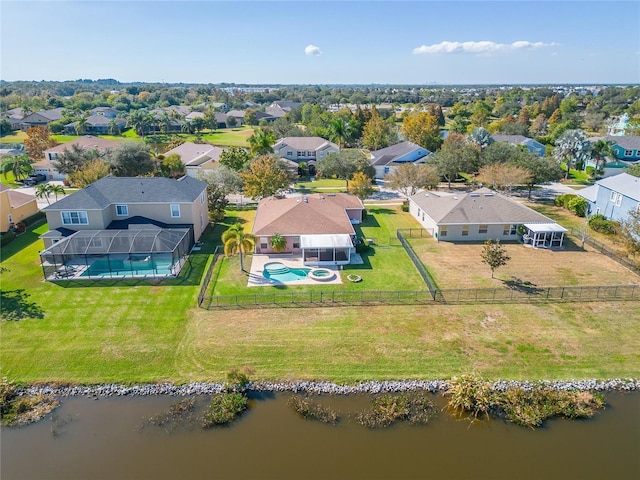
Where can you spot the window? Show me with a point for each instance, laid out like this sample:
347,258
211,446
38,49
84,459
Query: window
507,230
628,153
619,200
613,196
289,154
175,210
203,197
74,218
122,210
443,231
482,229
465,230
296,242
10,218
53,156
263,243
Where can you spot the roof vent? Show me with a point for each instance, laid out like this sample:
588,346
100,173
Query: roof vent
474,194
488,194
455,198
305,199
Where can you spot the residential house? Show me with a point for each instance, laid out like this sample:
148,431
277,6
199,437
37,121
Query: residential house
121,227
197,157
97,124
10,152
317,227
305,149
43,117
15,207
238,115
530,144
626,151
481,215
281,108
86,142
106,111
386,160
614,197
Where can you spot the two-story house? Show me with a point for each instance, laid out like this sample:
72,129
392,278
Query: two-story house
530,144
386,160
197,157
305,149
614,197
15,206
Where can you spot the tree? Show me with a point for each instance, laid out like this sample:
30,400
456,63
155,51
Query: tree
573,149
278,242
139,120
264,178
250,117
90,172
408,178
114,128
231,121
538,126
81,125
130,160
261,142
376,132
237,241
542,169
172,166
360,186
38,140
448,164
494,255
422,128
73,158
344,165
20,165
220,183
481,137
43,191
56,190
503,176
340,131
600,150
235,158
633,170
630,233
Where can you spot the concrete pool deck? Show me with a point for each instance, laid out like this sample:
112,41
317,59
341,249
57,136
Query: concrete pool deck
258,261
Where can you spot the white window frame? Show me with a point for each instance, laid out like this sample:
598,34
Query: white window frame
628,153
614,196
124,208
443,231
483,228
174,208
465,231
203,197
81,216
619,200
10,218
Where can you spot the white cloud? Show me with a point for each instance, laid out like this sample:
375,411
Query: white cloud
484,46
312,50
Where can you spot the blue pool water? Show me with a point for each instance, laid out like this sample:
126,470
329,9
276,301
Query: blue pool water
127,268
279,272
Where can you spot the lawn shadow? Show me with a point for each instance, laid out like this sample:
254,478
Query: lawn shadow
523,286
15,305
366,265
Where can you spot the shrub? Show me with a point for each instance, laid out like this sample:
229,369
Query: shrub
238,379
578,206
600,223
224,408
6,238
590,170
307,408
387,409
405,206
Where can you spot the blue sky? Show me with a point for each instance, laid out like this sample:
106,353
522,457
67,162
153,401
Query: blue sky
329,42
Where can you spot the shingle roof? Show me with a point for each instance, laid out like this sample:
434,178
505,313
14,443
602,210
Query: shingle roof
628,142
86,142
17,199
196,153
394,151
319,214
623,183
513,139
304,143
97,120
590,193
482,206
110,190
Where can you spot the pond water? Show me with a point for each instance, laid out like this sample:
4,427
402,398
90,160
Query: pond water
111,438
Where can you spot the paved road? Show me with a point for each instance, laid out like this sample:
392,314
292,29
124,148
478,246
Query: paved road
42,202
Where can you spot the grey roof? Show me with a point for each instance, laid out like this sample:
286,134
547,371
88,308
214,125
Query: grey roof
111,190
482,206
87,142
389,154
109,110
236,113
286,104
96,120
196,153
628,142
623,183
590,193
304,143
514,139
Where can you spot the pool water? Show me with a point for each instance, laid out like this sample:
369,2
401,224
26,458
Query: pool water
108,268
279,272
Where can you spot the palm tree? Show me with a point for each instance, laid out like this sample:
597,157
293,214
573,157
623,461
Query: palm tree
261,142
43,191
139,120
56,190
114,128
278,242
599,153
20,165
237,241
165,122
81,125
340,131
187,127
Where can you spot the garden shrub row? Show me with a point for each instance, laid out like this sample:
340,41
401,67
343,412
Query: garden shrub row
574,203
602,224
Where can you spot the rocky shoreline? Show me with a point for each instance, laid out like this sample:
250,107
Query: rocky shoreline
318,388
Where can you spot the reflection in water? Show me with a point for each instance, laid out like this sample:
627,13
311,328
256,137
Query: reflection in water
113,438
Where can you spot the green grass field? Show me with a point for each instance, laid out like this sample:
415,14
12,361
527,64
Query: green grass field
133,332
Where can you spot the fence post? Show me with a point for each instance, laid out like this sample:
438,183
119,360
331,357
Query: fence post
562,293
615,292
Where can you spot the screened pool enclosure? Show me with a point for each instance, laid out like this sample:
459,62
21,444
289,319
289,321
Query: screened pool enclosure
96,254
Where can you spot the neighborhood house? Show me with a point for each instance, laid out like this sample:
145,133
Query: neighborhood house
15,207
614,197
305,149
386,160
317,227
197,157
120,227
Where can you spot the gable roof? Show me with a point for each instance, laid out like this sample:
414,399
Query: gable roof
623,183
305,215
17,199
482,206
387,155
100,120
628,142
111,190
304,143
196,153
86,142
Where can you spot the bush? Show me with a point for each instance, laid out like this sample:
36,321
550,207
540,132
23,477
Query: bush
405,206
590,170
385,410
307,408
7,238
578,206
600,223
224,408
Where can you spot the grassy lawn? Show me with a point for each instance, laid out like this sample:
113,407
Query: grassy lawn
17,136
10,180
386,265
459,265
150,332
322,186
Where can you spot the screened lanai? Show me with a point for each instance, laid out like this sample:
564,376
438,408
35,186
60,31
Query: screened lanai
326,249
95,254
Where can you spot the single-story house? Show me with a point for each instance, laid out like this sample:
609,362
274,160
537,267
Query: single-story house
281,108
532,145
97,124
481,215
106,111
305,149
15,207
86,142
42,117
614,197
317,227
197,157
124,226
386,160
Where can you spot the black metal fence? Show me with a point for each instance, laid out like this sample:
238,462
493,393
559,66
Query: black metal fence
424,273
609,252
202,295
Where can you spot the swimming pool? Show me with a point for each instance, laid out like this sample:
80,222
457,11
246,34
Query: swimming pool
279,272
128,268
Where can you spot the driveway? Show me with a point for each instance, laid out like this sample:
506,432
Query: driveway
42,202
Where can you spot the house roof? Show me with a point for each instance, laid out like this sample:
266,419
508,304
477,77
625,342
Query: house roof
36,117
623,183
387,155
236,113
482,206
196,153
303,143
628,142
285,104
100,120
87,142
514,139
590,193
16,198
193,115
314,214
109,110
111,190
